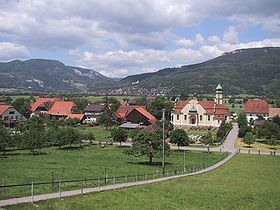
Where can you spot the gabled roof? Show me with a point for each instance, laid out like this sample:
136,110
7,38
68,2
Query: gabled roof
123,111
62,108
94,108
145,113
73,116
179,106
273,112
40,101
4,108
256,106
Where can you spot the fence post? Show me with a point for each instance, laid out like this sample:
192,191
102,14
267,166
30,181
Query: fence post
239,151
145,176
259,152
125,181
274,153
32,192
3,186
98,184
59,188
114,182
136,178
82,190
248,151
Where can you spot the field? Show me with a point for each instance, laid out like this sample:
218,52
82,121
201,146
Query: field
89,162
246,182
258,145
100,133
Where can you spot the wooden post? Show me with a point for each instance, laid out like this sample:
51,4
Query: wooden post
82,190
98,184
59,188
125,181
259,152
3,186
32,192
114,182
248,151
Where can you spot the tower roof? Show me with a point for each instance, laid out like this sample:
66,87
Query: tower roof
219,87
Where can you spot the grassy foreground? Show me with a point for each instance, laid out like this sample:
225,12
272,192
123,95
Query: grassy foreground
246,182
89,162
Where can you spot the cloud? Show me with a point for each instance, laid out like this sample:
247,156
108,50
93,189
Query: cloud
10,51
231,35
184,42
199,39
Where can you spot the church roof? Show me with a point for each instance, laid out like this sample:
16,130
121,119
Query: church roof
219,87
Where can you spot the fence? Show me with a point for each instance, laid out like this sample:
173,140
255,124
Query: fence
257,152
37,188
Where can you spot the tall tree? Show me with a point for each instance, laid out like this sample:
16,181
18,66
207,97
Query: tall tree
119,135
23,106
5,139
249,138
207,139
158,105
243,125
148,144
179,137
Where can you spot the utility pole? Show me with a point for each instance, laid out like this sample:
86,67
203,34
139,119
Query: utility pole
163,140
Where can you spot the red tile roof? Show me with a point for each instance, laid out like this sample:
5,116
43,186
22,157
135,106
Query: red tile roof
73,116
273,112
62,108
145,113
123,111
256,106
39,101
4,108
180,105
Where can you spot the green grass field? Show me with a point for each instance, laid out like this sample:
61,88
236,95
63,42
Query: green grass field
258,145
89,162
246,182
100,133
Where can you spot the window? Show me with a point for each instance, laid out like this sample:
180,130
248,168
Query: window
200,118
16,117
12,112
178,117
172,118
208,117
186,117
11,117
6,118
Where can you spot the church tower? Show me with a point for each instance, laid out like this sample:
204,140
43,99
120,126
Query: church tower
219,94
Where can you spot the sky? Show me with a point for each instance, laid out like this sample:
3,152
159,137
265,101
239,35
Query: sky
125,37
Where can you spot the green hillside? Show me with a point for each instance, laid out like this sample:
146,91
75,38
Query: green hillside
47,76
247,71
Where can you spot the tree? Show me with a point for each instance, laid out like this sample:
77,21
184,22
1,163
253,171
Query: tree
276,119
249,138
119,134
22,105
207,139
113,104
268,129
5,139
70,136
223,130
158,105
274,140
33,133
243,125
149,144
179,137
81,103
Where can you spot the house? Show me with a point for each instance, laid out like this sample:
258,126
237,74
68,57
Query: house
11,116
273,112
92,111
43,105
201,113
61,109
135,114
80,117
5,101
256,108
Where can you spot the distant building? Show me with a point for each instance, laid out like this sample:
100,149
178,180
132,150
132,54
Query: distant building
80,117
273,112
43,105
201,113
11,116
61,109
256,108
92,111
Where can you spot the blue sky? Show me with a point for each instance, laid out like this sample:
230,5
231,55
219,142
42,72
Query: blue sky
123,37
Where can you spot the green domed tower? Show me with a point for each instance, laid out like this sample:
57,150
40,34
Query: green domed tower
219,94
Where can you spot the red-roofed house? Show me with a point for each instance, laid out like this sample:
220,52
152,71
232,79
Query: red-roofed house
201,113
10,116
256,108
61,109
80,117
135,114
43,105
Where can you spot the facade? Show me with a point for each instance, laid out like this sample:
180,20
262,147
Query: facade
92,111
43,105
10,116
273,112
201,113
255,109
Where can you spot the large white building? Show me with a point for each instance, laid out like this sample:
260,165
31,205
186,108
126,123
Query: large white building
201,113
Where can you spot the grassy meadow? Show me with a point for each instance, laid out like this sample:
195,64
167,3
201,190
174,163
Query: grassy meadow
260,144
89,162
246,182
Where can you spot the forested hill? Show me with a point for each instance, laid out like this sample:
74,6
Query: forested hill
245,71
47,76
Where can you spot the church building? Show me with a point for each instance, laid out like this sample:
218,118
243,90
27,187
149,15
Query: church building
201,113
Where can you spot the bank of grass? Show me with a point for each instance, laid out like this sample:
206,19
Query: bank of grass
88,162
100,133
260,144
246,182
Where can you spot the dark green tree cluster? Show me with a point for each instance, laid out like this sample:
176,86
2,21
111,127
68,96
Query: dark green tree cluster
249,138
36,134
223,130
156,107
22,105
179,137
119,135
81,102
207,139
243,125
148,144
